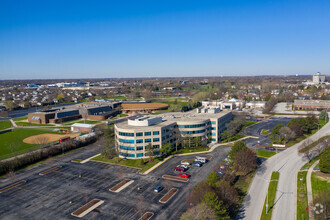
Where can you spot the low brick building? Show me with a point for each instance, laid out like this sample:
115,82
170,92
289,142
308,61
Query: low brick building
82,128
312,105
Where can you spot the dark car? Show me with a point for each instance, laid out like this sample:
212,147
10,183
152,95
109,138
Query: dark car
269,148
197,164
158,188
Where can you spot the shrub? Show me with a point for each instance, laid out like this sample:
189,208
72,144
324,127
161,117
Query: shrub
325,160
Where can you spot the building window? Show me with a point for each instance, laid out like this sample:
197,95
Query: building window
155,139
147,133
213,122
131,155
126,148
126,141
139,141
214,134
156,146
214,128
126,134
147,140
155,133
139,148
139,155
139,134
213,139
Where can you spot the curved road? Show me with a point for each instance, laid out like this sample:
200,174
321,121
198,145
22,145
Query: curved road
288,163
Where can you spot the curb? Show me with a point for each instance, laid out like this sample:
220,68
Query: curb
88,159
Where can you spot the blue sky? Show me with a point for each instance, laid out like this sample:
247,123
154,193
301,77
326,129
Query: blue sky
156,38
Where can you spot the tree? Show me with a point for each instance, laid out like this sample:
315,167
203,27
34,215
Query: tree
228,194
166,149
199,212
324,163
238,146
197,193
276,129
245,161
212,178
296,128
287,134
150,151
324,115
212,201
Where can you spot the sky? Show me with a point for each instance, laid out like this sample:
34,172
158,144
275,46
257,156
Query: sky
160,38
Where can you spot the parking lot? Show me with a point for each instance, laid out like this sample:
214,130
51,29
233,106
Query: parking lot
62,191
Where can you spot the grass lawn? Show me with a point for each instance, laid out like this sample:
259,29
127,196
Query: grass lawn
265,131
123,115
20,119
319,185
249,123
190,150
130,163
265,153
13,141
271,197
82,122
5,124
309,164
31,124
302,201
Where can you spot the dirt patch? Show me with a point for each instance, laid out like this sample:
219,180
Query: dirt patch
117,186
46,138
144,106
324,176
176,178
147,216
50,170
12,186
168,195
84,210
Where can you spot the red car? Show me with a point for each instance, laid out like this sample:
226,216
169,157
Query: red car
184,175
181,169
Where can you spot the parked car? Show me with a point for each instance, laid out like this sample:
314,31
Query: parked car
184,166
201,159
185,163
181,169
269,148
197,164
158,188
220,173
184,175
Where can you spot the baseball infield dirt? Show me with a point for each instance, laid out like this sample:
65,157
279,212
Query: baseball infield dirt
46,138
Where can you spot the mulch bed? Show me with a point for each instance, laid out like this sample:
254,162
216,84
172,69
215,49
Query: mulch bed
177,178
117,186
168,195
12,186
50,170
147,216
79,212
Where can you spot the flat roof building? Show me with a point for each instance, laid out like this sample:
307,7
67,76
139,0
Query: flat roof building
311,105
134,135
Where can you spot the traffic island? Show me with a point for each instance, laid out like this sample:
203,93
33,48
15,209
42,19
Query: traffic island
168,195
175,178
120,186
50,170
147,216
12,186
87,208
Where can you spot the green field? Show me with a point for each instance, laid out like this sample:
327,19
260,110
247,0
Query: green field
190,150
81,122
5,124
271,197
265,153
31,124
319,185
12,142
20,119
302,201
130,163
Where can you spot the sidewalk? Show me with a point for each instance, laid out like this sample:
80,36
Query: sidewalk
309,190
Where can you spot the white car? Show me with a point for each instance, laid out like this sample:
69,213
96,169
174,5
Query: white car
185,163
184,166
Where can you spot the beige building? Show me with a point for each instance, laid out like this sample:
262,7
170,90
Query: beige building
133,136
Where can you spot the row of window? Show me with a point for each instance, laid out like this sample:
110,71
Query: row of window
193,132
138,148
138,134
193,126
139,141
138,155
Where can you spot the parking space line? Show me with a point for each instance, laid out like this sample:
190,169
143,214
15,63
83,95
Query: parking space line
128,212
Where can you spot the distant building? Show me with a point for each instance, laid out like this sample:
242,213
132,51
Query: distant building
134,135
82,128
53,116
256,105
312,105
142,107
225,104
318,78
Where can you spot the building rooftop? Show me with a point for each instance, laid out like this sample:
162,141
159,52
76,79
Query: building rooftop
170,118
312,102
82,125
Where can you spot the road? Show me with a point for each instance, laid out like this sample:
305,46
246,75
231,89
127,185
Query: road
288,163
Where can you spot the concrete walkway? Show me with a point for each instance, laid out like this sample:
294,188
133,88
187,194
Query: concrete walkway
309,190
13,123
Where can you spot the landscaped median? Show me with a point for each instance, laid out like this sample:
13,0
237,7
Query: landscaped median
168,195
87,208
120,186
265,153
302,202
270,197
175,178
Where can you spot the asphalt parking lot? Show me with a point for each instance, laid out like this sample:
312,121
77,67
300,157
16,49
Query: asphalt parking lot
57,194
